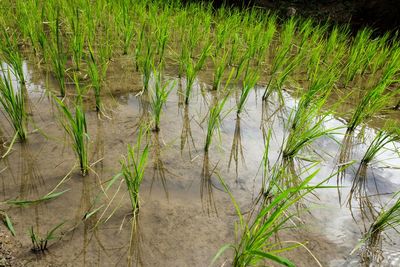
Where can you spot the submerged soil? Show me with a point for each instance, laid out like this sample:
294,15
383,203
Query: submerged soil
184,219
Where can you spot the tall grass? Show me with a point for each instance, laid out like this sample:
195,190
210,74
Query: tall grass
13,102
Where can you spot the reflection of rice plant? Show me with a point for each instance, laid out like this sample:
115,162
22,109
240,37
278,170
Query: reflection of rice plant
132,170
13,103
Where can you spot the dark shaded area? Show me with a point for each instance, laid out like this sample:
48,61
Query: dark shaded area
381,15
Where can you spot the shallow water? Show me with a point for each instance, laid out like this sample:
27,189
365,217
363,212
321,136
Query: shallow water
183,220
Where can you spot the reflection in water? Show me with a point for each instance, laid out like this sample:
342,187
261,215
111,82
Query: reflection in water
89,220
237,148
31,177
206,187
159,169
134,250
344,158
186,133
145,111
359,192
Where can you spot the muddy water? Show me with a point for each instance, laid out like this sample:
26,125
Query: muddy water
183,220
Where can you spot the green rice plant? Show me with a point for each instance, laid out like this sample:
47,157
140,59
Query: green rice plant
215,116
234,50
132,170
76,128
126,25
255,244
283,62
214,121
307,130
139,45
147,65
376,97
40,244
193,68
11,55
158,98
219,69
57,56
265,39
358,55
388,218
96,72
387,135
78,36
29,14
13,102
249,82
162,35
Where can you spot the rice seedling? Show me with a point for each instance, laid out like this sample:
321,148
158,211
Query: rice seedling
127,26
192,69
40,244
388,218
78,37
162,36
255,244
308,129
159,97
30,17
7,222
11,55
358,58
219,69
215,115
13,102
76,128
147,65
132,170
57,56
96,72
359,187
282,58
139,45
249,82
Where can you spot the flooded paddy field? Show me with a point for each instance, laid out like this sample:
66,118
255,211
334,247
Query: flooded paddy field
167,136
